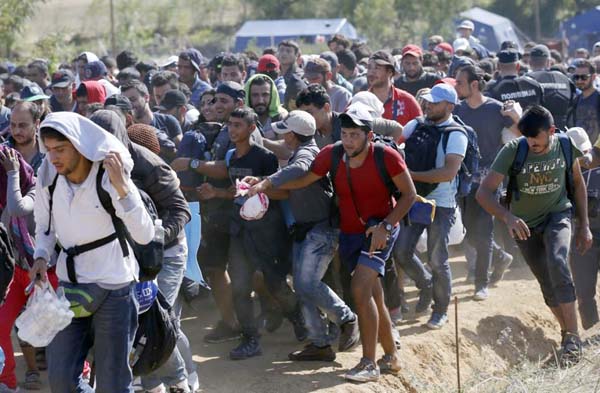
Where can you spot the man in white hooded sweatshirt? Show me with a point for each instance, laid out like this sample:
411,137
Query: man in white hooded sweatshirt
76,149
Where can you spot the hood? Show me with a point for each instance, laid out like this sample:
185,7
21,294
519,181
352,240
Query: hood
87,137
112,123
275,107
95,92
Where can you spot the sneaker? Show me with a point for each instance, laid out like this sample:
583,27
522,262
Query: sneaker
349,335
481,294
249,347
571,350
365,371
313,353
396,336
222,333
500,268
32,380
6,389
396,315
425,296
387,365
437,320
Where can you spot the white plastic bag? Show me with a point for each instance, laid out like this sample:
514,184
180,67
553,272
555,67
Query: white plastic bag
46,314
456,236
255,207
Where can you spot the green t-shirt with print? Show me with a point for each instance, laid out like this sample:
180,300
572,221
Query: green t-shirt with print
541,182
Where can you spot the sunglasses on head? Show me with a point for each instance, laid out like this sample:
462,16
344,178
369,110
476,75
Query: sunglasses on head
581,77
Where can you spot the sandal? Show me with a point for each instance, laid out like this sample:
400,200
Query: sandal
32,380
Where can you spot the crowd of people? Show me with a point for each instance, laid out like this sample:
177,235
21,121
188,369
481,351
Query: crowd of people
358,153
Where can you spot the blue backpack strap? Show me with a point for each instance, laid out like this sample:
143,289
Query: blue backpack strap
515,169
228,156
567,150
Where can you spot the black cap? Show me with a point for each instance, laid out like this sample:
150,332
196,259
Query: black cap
383,57
232,89
120,101
62,78
509,45
171,99
540,51
508,56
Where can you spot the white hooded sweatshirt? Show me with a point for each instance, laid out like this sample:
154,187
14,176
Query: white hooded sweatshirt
77,214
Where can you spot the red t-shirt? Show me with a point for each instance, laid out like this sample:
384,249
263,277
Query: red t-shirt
371,196
401,106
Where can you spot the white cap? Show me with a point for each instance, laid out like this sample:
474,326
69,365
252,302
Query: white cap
466,24
172,60
299,122
461,44
580,138
369,99
360,114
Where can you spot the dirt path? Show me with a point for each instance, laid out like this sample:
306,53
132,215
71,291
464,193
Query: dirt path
511,326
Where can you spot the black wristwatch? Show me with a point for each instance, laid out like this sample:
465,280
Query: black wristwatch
194,164
387,226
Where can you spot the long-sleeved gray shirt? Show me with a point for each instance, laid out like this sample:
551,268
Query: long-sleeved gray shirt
311,203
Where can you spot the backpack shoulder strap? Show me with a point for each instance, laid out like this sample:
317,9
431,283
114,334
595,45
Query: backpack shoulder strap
379,156
567,151
446,131
106,202
228,156
516,168
337,152
51,188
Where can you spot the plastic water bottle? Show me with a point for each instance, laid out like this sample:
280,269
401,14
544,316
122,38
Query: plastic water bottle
2,360
159,231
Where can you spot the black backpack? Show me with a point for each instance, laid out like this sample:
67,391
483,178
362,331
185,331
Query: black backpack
149,256
7,262
155,338
519,162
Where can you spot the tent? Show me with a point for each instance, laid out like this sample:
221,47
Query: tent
583,30
263,33
493,29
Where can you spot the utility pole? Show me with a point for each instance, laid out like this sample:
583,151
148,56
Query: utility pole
113,43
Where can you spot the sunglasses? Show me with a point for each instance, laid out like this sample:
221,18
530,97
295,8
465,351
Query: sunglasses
581,77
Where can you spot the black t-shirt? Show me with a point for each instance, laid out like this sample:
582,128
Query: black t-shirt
559,92
427,79
166,123
258,162
522,89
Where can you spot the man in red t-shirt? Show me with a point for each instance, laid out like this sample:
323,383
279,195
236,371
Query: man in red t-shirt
398,104
369,228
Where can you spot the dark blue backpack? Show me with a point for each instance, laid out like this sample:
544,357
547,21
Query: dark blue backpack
470,164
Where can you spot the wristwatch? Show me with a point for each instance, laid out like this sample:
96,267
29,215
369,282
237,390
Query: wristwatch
387,226
194,164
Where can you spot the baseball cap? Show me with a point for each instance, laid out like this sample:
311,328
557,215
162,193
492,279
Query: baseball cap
461,44
447,80
444,47
232,89
412,50
171,99
195,57
94,69
596,45
441,92
369,99
331,58
268,63
62,78
509,44
120,101
508,56
540,51
315,67
32,92
580,138
359,114
435,40
383,57
170,62
299,122
466,24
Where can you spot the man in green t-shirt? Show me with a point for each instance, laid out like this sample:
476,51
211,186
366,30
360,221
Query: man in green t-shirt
540,219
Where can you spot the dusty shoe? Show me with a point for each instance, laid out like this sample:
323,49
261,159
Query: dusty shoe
32,380
388,364
313,353
500,268
365,371
481,294
571,350
350,335
437,320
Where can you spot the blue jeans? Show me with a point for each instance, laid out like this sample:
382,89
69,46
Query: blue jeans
437,251
311,258
480,233
111,330
169,281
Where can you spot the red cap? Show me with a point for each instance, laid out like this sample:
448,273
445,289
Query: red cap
448,81
412,50
267,63
444,47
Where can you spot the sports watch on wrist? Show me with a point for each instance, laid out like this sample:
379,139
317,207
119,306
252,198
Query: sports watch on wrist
194,164
387,226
